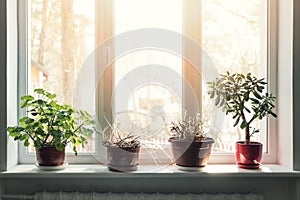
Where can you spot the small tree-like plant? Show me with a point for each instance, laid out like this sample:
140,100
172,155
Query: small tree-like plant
243,96
50,124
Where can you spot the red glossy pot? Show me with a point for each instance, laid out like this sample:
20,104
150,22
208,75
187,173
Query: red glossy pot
248,156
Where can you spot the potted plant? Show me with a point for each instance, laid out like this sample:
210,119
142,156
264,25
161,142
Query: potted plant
190,147
122,150
51,126
244,96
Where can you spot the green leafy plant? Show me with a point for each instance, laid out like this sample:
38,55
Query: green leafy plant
50,124
189,128
243,96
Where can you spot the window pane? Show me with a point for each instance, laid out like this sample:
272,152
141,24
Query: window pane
151,105
62,32
61,36
234,35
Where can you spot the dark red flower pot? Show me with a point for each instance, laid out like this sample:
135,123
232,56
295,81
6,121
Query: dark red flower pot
122,159
191,154
248,156
49,156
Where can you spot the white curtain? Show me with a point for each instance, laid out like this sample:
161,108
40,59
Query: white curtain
142,196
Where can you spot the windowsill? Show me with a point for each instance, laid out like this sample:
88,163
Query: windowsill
151,171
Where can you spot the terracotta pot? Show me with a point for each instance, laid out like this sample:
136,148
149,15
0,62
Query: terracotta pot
49,156
191,154
248,156
122,159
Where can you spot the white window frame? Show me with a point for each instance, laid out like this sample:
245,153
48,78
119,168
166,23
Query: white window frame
104,18
23,63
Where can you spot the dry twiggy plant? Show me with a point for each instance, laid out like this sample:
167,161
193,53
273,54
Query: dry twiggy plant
120,140
189,128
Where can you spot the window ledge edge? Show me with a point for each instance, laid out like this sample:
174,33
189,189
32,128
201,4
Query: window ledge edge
148,171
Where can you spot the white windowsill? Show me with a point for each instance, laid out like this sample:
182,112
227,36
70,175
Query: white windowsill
101,171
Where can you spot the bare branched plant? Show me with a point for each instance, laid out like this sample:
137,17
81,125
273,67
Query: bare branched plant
120,140
189,128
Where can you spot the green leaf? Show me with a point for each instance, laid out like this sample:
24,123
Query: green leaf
34,113
243,124
24,137
41,102
217,100
257,95
44,120
37,144
260,89
29,121
255,101
39,91
75,150
59,147
249,77
222,102
262,82
247,109
212,94
11,129
235,116
15,134
51,96
228,97
273,114
26,143
246,96
236,122
24,104
27,98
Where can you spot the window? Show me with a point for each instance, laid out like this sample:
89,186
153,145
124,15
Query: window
59,36
235,35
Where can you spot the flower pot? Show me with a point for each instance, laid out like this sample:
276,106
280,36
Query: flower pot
49,156
191,153
122,159
248,156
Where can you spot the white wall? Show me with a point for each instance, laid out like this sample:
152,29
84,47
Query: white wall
285,83
12,69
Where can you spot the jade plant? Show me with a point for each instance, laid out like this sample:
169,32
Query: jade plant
189,128
245,97
50,124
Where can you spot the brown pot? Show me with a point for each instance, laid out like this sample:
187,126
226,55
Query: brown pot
122,159
191,154
49,156
248,156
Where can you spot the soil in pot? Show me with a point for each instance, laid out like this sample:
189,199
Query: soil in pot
191,153
50,156
122,159
248,156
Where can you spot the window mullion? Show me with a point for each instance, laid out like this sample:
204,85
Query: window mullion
23,66
192,29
